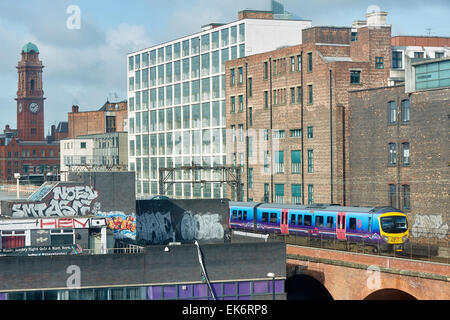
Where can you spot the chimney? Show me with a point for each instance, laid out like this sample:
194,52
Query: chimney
53,130
376,18
75,109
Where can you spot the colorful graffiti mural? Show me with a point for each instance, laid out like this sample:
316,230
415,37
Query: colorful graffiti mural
62,201
123,225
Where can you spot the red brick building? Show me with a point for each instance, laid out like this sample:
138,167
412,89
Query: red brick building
288,111
26,150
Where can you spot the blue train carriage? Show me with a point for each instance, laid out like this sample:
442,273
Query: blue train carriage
242,216
381,227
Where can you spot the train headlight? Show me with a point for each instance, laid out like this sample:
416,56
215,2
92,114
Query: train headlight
405,238
385,238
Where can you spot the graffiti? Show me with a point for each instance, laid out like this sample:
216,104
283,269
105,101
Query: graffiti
429,226
124,226
155,228
64,223
65,201
201,227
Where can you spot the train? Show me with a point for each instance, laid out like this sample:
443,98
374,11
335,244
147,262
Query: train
379,228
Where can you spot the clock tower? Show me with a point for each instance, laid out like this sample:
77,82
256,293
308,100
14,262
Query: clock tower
30,96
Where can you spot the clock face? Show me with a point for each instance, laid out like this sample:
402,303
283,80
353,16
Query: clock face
34,107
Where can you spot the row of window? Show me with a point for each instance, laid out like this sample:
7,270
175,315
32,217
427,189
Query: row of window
397,57
206,42
405,190
405,111
277,134
33,153
279,66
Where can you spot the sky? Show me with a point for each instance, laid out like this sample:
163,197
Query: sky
87,66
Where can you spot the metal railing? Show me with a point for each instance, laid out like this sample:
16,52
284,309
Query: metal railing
426,248
128,249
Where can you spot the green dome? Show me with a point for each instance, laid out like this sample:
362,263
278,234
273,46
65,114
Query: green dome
30,47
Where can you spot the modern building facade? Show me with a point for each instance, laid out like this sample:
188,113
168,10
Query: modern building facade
287,111
399,147
176,94
26,151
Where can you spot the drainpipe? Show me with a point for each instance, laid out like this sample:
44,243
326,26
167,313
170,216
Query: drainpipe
301,125
331,135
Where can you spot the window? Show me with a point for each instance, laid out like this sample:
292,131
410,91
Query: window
233,133
299,220
319,221
330,222
296,133
233,77
406,192
418,55
392,112
266,192
279,193
250,116
392,153
352,224
439,55
265,217
241,75
266,99
310,62
310,161
266,161
310,94
296,161
266,70
392,195
279,134
355,77
241,133
405,154
296,190
83,145
354,36
293,219
406,111
292,95
310,132
292,64
310,194
279,161
241,103
233,104
250,87
397,59
379,63
307,221
250,178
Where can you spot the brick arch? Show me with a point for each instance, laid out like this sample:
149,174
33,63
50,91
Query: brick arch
306,287
390,294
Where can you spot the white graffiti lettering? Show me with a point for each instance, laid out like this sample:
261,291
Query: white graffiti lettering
201,227
429,226
66,201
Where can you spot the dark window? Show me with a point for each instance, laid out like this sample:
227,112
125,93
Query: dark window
299,220
273,217
379,63
83,145
266,99
250,87
233,104
33,131
310,94
406,111
406,190
292,95
293,218
234,215
308,220
392,153
310,132
265,217
245,216
392,112
397,60
352,223
354,36
310,62
319,221
250,116
266,70
233,77
418,55
392,195
405,154
330,221
32,85
438,55
355,77
239,215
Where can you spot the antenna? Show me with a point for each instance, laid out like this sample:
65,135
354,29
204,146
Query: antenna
428,32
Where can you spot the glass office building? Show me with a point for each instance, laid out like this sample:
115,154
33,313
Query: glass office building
176,94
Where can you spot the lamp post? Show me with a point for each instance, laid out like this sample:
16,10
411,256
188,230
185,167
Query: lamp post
17,176
272,275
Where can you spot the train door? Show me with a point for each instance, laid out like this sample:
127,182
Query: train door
340,226
284,222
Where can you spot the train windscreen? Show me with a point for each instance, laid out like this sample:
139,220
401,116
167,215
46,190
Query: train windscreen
394,224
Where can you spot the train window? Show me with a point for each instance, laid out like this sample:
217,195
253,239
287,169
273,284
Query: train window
319,221
308,220
370,224
293,217
273,217
240,215
234,215
352,223
299,220
330,221
265,217
245,215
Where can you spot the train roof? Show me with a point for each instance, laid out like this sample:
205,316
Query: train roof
315,207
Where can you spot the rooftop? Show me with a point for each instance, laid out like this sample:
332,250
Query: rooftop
29,47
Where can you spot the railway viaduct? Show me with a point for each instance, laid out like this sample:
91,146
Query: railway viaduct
353,276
